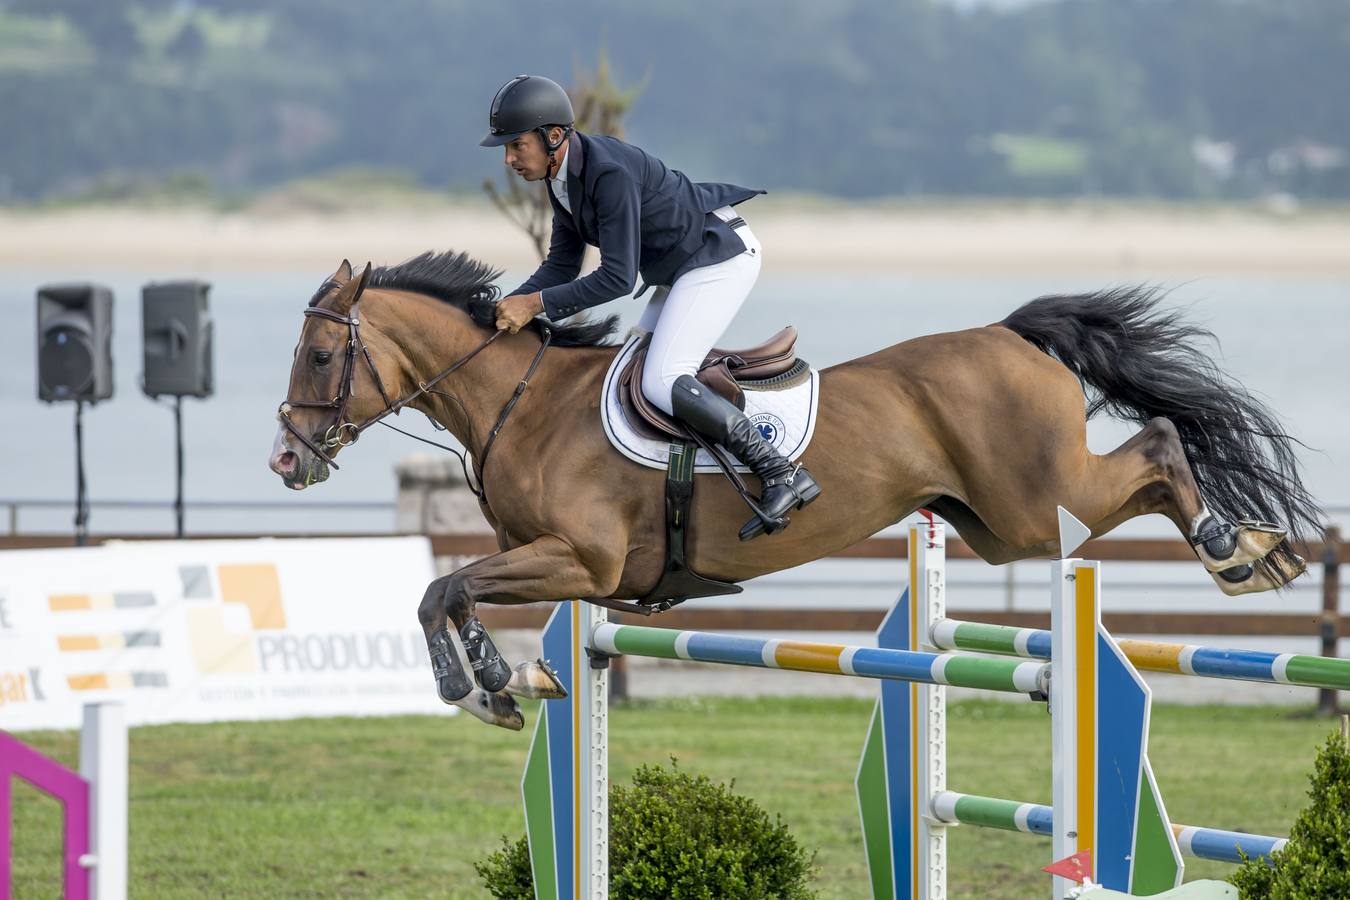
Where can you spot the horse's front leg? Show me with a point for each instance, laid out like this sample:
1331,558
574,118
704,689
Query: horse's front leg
546,569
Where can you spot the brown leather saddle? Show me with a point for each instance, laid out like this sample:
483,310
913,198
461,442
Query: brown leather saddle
769,366
773,365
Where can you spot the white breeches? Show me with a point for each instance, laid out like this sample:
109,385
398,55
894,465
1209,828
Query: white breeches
688,318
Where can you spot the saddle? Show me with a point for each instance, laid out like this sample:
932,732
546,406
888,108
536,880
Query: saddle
772,364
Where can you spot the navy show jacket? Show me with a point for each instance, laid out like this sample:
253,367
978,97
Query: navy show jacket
646,219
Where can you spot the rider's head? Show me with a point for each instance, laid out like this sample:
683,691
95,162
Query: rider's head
531,117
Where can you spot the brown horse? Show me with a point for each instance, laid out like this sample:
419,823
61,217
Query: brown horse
985,427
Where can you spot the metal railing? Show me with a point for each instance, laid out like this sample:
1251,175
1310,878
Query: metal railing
13,507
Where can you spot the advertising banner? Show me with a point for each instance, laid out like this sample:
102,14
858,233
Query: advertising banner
206,631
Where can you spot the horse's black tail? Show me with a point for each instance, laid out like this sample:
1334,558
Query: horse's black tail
1137,362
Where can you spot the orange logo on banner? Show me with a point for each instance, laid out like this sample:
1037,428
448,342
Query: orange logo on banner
216,647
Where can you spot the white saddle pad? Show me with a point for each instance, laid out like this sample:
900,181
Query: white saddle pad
786,418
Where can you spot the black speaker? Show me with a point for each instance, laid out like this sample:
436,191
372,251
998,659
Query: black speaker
177,339
74,332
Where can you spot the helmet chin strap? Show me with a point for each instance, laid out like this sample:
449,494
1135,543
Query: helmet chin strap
552,148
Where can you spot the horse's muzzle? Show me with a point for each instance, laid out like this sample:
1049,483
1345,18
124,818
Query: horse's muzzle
298,468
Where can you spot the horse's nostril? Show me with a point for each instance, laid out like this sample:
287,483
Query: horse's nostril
287,462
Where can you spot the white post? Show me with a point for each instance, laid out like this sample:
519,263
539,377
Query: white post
103,763
1063,719
596,756
1067,607
928,605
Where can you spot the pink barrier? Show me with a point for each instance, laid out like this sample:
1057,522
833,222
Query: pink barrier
49,776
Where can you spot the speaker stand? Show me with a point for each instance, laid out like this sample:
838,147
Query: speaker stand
81,490
178,436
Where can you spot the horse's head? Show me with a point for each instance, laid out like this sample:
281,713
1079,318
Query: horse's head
334,384
348,373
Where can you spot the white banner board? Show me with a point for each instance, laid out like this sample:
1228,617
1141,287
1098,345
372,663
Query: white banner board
205,631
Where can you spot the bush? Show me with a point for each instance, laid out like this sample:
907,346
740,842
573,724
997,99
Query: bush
675,835
1315,864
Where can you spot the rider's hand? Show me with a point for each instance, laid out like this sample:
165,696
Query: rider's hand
516,311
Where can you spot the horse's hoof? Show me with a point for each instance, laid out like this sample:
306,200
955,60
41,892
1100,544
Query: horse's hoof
1258,578
495,709
535,681
1255,540
1247,542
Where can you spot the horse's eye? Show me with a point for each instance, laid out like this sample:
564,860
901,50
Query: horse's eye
321,357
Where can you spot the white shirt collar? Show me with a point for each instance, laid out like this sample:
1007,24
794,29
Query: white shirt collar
561,178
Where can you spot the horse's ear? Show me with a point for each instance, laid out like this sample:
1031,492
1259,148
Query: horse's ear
343,273
351,291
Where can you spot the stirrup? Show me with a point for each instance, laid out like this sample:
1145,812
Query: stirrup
762,524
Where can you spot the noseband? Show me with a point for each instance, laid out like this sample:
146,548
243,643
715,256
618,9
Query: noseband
344,432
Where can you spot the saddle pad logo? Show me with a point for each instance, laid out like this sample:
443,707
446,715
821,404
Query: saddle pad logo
770,427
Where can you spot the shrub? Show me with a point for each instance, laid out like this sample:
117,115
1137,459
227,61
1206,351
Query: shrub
675,835
1315,864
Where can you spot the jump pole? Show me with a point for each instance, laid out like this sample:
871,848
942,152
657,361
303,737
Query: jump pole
94,805
1120,819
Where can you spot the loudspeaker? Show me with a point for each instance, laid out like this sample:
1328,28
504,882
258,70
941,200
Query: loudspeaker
177,339
74,333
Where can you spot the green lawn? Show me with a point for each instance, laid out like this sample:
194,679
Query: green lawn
400,807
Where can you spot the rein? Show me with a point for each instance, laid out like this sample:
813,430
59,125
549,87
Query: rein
344,432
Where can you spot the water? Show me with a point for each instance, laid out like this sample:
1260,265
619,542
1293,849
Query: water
1287,339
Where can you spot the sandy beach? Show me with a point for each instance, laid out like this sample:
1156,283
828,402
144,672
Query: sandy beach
929,239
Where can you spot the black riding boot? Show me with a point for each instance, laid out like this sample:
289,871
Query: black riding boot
786,487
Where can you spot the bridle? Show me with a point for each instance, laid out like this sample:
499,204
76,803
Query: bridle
344,432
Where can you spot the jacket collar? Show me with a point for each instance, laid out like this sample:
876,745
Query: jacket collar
576,158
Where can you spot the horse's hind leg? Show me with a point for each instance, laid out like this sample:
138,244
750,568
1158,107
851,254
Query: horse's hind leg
1146,474
1149,473
1226,551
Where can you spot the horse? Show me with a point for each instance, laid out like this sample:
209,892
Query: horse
985,427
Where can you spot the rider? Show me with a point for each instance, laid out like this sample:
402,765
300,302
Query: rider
651,220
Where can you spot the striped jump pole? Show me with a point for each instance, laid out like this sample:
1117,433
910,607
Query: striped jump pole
1032,818
910,666
1157,656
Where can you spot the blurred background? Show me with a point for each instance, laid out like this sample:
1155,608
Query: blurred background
930,166
177,177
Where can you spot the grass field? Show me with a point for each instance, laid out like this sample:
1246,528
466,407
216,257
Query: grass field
400,807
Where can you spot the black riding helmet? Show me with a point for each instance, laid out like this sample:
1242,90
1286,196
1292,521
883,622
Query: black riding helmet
527,103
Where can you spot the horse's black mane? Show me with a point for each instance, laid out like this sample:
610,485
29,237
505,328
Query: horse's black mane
466,283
